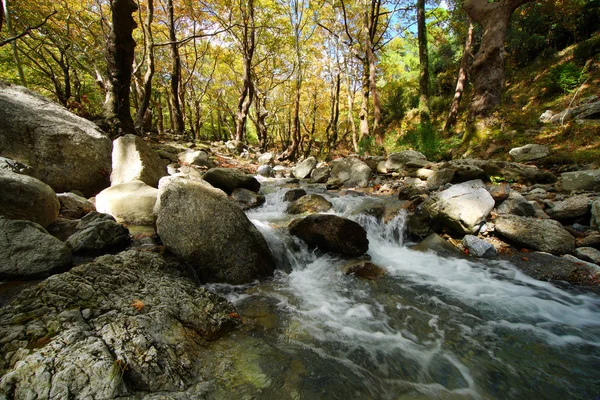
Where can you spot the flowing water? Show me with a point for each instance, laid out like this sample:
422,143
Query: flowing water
431,327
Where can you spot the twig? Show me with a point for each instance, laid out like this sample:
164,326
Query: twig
27,30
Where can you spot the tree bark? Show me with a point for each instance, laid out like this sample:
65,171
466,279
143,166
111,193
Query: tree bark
364,105
423,64
179,125
120,64
13,44
141,116
461,82
371,24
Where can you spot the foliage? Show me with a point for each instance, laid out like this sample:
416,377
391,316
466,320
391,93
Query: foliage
564,78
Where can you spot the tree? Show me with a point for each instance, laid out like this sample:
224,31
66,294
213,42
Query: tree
247,41
142,116
461,81
13,43
423,64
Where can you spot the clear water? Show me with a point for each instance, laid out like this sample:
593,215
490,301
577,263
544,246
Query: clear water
430,328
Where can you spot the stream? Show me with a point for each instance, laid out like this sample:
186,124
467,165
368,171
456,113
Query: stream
431,327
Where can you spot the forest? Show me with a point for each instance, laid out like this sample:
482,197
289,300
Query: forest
300,77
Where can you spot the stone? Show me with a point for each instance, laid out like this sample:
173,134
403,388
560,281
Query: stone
571,207
349,172
15,166
303,169
266,159
281,172
202,227
499,192
529,152
265,171
437,244
469,169
331,233
228,180
28,251
417,163
478,247
26,198
396,161
320,174
235,146
588,254
584,111
381,168
595,212
516,204
439,178
591,241
546,116
247,199
294,194
461,208
65,151
97,233
195,157
310,203
74,206
364,270
130,202
62,228
581,180
134,160
545,235
424,173
126,325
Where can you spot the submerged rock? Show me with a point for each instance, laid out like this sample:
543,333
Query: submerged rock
310,203
364,269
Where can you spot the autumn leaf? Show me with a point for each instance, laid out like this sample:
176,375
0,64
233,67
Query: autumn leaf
138,304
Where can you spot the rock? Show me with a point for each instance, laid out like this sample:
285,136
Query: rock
416,163
74,206
28,251
438,245
247,199
469,169
499,192
294,194
588,254
546,116
265,170
304,168
266,159
11,165
65,151
439,178
529,152
381,168
130,202
320,174
62,228
396,161
236,146
349,172
202,228
479,247
28,198
516,204
581,180
591,241
584,111
538,234
281,172
462,207
424,173
97,233
364,270
595,211
310,203
195,157
134,160
124,325
228,180
572,207
331,233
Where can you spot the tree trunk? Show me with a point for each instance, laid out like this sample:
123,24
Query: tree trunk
13,44
364,106
461,82
147,83
247,93
120,63
178,125
351,107
423,64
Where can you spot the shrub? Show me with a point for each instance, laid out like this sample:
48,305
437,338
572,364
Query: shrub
564,78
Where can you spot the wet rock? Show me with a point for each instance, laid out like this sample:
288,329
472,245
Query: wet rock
281,172
438,245
349,172
544,235
462,207
294,194
479,247
247,199
364,270
74,206
26,198
439,178
195,157
265,170
516,204
331,233
97,233
304,168
320,174
134,160
588,254
499,192
529,152
396,161
228,180
65,151
28,251
310,203
572,207
201,227
581,180
130,202
124,325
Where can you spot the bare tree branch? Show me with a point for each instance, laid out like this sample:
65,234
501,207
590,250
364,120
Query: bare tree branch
27,30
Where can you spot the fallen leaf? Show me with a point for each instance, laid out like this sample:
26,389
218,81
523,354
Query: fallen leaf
138,304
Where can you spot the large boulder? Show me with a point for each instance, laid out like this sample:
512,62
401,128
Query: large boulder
97,233
581,180
310,203
122,326
134,160
461,208
130,202
24,197
65,151
28,251
211,233
538,234
303,169
331,233
228,180
571,207
349,172
396,161
529,152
